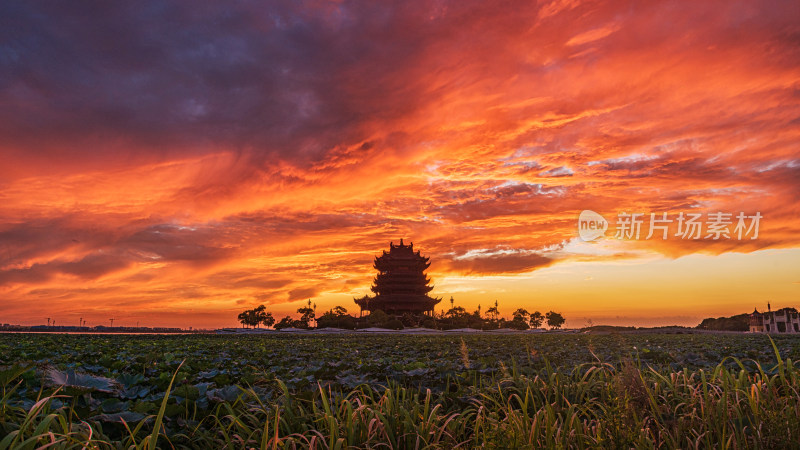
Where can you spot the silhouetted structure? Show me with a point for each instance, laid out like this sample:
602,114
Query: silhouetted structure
401,285
785,320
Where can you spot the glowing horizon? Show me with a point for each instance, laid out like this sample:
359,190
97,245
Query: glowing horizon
176,165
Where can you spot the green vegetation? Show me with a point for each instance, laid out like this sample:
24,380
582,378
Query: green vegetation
396,391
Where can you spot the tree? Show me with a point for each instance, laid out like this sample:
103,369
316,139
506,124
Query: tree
393,324
493,312
377,318
259,315
520,321
255,317
244,318
411,320
554,319
536,319
306,315
286,322
268,320
521,314
457,311
336,317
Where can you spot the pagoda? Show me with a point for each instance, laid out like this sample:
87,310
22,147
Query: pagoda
401,285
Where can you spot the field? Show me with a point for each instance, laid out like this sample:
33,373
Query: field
396,391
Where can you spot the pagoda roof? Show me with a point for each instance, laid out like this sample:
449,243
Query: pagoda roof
401,283
401,249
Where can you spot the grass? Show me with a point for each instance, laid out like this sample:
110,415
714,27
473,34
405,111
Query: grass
625,404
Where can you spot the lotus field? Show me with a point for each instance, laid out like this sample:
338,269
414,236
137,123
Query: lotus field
399,391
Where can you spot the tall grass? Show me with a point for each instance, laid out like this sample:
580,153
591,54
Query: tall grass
621,405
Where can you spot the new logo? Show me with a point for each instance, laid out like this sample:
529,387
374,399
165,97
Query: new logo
591,225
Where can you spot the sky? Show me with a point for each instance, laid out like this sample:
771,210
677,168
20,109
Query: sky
174,163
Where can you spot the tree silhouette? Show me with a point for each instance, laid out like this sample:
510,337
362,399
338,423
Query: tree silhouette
259,315
243,318
286,322
255,317
536,319
520,319
306,315
521,314
457,311
268,320
554,319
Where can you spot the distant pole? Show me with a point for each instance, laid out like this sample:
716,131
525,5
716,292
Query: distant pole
112,323
48,321
80,322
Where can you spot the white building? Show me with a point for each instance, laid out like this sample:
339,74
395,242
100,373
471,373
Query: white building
786,320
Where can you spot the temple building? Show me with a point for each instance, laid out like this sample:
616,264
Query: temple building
785,320
401,285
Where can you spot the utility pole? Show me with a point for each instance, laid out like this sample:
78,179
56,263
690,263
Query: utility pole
80,322
48,321
112,323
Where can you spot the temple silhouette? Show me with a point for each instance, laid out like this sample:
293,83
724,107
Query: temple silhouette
401,285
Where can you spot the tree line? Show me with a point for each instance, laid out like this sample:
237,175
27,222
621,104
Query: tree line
455,317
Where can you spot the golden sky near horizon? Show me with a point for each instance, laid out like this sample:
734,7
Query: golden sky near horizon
173,165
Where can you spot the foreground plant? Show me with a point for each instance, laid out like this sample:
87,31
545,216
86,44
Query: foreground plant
628,404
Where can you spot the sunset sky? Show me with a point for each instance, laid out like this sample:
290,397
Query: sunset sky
175,163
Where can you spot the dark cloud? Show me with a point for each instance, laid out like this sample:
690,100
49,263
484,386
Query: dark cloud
29,239
499,263
90,251
89,267
291,79
301,293
169,242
